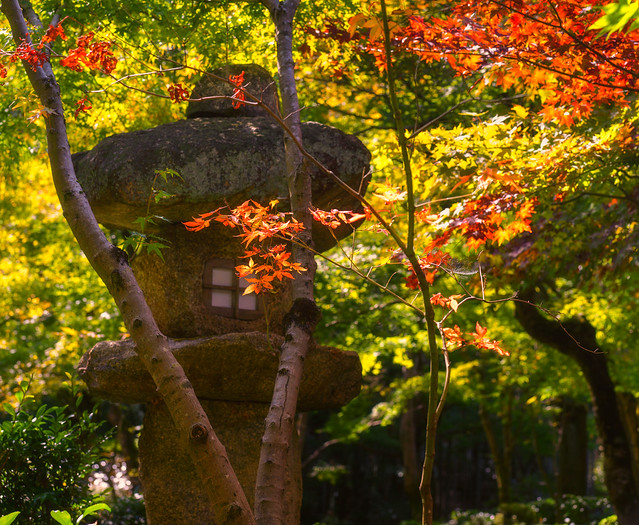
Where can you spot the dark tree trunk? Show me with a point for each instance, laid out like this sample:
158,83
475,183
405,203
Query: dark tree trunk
630,416
576,338
410,456
501,453
572,461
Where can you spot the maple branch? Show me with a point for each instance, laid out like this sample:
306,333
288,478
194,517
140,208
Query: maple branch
444,199
372,281
121,80
313,456
523,298
110,263
400,132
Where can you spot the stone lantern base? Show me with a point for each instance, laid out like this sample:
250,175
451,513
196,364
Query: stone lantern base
233,376
184,500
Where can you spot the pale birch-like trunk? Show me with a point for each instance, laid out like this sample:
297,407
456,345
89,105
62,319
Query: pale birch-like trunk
304,314
110,263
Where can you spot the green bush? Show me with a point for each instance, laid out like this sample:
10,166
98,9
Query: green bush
516,514
569,510
573,510
129,510
470,517
46,455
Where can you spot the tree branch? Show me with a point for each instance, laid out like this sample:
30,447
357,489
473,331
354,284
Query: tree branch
304,315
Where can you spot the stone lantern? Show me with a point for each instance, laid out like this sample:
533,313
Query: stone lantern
221,337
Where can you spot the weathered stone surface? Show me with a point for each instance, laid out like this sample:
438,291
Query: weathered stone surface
257,81
221,161
230,367
174,291
183,500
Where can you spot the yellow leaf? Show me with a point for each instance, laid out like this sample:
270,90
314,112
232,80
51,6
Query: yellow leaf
520,111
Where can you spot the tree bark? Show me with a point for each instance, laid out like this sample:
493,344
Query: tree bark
503,460
572,460
111,264
630,417
304,314
576,338
410,448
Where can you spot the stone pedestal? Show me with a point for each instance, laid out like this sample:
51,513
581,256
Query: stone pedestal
183,500
233,376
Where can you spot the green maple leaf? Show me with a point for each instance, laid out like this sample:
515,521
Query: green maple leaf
617,16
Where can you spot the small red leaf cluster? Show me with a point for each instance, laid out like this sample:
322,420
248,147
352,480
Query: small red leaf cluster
25,51
52,33
238,93
335,218
484,219
83,105
178,93
456,338
94,55
430,264
259,226
452,302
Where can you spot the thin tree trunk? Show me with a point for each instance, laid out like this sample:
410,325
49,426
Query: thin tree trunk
304,314
410,451
502,460
576,338
111,264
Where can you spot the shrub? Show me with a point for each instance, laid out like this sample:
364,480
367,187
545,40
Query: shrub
129,510
573,510
470,517
46,455
516,514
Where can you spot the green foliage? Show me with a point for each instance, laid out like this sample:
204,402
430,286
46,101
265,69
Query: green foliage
515,513
9,518
470,517
328,472
129,510
47,453
64,518
569,510
53,307
573,510
619,16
